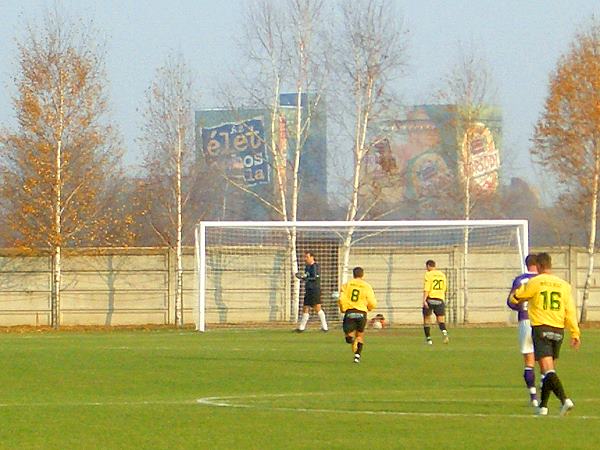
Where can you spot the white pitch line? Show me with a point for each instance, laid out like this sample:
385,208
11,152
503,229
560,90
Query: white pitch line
226,402
223,402
115,403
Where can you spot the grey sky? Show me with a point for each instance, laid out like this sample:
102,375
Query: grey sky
521,41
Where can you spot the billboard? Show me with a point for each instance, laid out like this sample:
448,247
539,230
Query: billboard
239,149
483,158
419,152
254,150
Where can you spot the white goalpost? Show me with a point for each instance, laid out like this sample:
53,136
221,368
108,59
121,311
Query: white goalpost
245,275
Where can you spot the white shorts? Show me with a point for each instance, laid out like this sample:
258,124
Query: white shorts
525,341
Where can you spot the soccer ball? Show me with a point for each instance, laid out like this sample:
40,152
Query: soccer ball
377,325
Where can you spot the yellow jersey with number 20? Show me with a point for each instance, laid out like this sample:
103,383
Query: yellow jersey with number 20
435,284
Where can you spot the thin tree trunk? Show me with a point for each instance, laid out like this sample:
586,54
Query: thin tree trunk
56,250
57,238
295,268
466,177
360,139
592,240
179,256
56,278
465,277
280,157
295,194
467,216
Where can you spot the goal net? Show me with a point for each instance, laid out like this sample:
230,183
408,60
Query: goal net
246,269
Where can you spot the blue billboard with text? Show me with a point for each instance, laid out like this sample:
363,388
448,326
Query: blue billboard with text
239,149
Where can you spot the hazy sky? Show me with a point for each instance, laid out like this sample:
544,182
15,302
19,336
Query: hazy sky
521,41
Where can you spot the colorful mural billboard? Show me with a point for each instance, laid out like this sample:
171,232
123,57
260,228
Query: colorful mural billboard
420,151
483,157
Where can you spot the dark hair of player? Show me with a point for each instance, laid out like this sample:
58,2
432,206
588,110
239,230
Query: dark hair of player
531,260
544,262
358,272
430,263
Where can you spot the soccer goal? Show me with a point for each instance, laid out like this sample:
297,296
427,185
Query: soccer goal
246,269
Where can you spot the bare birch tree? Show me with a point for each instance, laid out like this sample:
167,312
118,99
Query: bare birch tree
371,56
567,135
467,91
284,44
168,136
63,155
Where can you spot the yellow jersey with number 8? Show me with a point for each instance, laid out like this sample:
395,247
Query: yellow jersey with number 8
357,294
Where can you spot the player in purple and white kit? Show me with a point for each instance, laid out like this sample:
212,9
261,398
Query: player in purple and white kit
525,341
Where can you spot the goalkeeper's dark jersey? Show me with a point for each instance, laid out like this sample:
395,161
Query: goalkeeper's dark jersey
313,277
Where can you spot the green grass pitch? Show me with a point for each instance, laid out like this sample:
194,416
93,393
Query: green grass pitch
274,389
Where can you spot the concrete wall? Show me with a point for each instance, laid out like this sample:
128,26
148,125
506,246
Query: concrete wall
137,286
99,287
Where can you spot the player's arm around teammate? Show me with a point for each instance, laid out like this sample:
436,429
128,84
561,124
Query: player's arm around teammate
551,309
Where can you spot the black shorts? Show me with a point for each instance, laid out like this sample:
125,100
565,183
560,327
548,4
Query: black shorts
312,297
546,341
436,306
354,321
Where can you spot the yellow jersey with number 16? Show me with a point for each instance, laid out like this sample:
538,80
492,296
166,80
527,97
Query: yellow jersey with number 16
435,284
357,294
550,302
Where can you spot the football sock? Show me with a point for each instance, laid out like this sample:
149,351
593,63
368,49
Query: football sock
529,376
321,315
359,348
304,321
427,331
547,387
442,326
557,388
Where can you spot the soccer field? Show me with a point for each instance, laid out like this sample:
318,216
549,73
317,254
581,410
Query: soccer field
276,389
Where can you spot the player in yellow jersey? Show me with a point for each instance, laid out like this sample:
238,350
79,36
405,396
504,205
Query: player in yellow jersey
356,300
434,301
551,309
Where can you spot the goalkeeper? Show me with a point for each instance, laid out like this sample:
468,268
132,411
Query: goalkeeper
356,299
312,292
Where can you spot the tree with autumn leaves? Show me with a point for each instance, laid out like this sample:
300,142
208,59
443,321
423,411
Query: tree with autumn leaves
61,163
567,136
